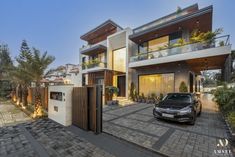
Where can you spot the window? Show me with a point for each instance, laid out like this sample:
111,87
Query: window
179,97
174,37
83,59
156,83
119,60
143,48
155,44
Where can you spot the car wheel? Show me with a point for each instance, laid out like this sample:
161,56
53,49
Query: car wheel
193,120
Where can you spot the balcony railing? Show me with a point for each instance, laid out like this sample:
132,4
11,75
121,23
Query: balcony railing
190,47
94,65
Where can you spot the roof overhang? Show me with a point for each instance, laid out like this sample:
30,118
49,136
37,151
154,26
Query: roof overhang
208,63
200,19
94,50
100,32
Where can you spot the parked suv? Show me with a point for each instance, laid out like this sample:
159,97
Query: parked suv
181,107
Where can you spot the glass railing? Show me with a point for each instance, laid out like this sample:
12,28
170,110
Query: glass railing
181,49
94,65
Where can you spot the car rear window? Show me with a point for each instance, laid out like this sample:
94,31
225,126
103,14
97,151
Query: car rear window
179,97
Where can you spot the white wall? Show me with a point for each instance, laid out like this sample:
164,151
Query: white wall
64,113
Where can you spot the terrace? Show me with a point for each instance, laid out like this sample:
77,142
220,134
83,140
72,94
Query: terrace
216,47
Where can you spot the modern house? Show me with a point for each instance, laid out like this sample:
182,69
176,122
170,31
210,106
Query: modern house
104,60
156,57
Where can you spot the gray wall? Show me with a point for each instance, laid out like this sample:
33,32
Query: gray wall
227,69
180,69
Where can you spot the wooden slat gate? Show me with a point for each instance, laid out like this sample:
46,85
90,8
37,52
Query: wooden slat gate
87,108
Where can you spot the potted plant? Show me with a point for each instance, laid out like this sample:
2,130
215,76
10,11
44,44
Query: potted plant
143,98
183,87
112,90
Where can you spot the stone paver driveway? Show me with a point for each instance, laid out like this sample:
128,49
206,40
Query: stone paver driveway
44,138
136,124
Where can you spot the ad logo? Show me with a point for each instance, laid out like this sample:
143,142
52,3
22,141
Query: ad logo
222,147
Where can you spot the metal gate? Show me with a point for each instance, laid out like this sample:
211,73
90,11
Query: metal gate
87,108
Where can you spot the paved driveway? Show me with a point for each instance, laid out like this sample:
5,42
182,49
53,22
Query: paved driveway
11,115
136,124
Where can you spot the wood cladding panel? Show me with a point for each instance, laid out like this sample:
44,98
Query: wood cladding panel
80,107
108,81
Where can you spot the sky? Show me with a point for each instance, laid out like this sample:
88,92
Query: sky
55,26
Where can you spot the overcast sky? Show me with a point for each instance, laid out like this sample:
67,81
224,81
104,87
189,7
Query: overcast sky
56,25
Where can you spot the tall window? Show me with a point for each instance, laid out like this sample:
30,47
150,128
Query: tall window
119,60
156,83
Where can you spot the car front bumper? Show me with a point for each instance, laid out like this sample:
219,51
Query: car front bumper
188,117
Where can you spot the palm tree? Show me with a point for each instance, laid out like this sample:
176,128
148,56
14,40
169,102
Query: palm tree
38,65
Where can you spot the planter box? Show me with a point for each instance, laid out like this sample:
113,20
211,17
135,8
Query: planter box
112,102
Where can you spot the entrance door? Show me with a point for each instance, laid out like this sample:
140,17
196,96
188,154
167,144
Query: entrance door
121,84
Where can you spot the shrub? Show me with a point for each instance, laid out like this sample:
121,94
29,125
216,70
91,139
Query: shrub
111,90
231,119
183,87
225,98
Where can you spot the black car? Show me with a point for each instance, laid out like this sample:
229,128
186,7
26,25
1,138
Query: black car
181,107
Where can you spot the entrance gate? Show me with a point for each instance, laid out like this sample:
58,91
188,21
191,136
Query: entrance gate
87,108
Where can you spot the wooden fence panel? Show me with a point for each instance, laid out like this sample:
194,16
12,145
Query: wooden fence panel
80,107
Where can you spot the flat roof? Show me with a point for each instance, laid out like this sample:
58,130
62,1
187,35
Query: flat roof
193,7
105,25
187,17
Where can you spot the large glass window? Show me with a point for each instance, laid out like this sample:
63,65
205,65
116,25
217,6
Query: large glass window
155,44
156,83
119,60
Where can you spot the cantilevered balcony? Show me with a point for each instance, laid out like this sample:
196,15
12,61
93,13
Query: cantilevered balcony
93,65
94,49
216,47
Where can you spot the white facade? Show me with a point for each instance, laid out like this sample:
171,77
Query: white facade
61,110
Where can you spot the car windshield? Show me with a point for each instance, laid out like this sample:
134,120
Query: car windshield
179,97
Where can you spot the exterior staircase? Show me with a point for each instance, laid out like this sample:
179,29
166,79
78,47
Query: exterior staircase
123,101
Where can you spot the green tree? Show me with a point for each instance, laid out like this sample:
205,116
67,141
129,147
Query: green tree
6,65
22,74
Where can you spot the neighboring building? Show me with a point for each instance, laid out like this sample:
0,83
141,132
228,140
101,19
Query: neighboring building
116,56
68,74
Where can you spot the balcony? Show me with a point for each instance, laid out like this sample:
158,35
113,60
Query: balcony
93,65
215,47
96,48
